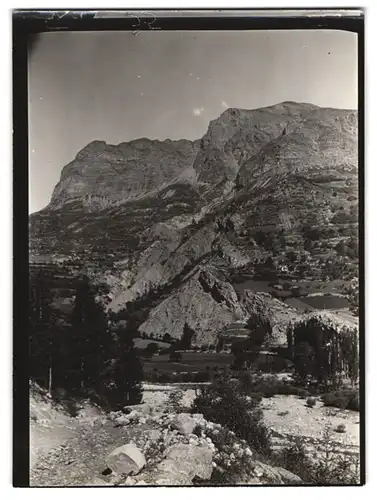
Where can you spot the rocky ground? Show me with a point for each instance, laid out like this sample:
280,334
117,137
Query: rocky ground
289,416
144,446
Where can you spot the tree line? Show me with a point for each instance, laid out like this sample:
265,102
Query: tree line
81,352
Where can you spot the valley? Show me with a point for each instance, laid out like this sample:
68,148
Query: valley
168,277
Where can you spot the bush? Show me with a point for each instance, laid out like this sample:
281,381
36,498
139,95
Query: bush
341,428
328,468
270,386
175,356
311,402
225,403
345,399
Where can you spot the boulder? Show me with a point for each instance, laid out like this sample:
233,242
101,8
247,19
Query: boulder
127,459
154,434
133,416
195,461
172,473
97,482
184,423
267,472
287,476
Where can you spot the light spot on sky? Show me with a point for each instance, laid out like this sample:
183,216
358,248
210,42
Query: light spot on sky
224,104
141,93
197,111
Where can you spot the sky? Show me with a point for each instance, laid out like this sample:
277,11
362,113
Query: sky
116,87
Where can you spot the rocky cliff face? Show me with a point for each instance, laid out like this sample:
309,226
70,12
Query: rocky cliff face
104,175
146,214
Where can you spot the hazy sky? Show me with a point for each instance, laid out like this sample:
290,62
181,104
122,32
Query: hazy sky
115,86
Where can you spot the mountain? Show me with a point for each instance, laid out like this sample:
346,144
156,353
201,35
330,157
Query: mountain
156,218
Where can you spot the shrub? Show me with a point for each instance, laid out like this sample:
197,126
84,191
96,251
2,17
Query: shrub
343,399
311,402
233,464
175,401
270,386
175,356
224,402
327,468
341,428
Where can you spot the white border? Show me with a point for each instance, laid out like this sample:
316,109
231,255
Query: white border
6,270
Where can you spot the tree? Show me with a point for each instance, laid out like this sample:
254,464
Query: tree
151,349
341,248
292,256
91,337
122,380
42,331
188,335
247,351
324,349
225,403
352,293
167,338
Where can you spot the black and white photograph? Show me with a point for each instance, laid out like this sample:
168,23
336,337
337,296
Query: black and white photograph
194,258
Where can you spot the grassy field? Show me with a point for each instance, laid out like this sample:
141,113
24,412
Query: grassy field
191,362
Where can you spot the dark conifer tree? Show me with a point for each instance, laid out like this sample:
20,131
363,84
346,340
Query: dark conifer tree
42,348
90,338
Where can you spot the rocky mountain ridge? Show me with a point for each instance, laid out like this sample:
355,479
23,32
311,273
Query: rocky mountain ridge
149,215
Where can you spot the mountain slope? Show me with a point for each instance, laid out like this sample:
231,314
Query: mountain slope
151,216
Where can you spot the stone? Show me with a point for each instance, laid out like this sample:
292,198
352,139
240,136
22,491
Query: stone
126,459
141,483
122,420
184,423
134,415
195,461
287,476
268,472
98,482
154,434
130,481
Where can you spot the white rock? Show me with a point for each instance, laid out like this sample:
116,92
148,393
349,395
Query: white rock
184,423
126,459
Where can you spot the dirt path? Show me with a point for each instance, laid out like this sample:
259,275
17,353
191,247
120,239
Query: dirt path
80,459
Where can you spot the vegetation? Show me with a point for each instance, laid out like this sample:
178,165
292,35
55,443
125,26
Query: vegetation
223,402
163,377
175,356
311,402
247,351
327,467
345,399
324,351
80,353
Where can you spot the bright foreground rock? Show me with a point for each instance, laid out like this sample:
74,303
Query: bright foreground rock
184,423
127,459
275,475
195,461
180,466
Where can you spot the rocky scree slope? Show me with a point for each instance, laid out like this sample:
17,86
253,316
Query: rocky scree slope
148,446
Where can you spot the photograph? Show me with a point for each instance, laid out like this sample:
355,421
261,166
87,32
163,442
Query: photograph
193,257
